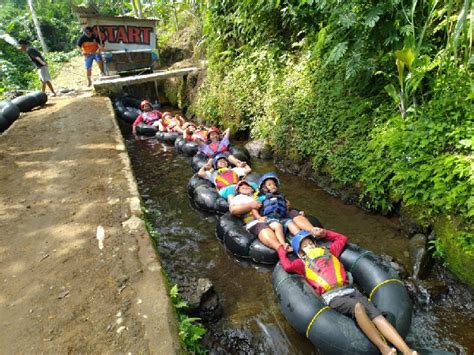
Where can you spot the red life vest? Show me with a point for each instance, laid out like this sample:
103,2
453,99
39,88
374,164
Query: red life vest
324,270
225,177
150,117
217,148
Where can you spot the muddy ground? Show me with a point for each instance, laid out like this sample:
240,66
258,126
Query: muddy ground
63,173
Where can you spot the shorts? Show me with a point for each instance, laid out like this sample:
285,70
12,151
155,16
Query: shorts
283,221
43,74
257,228
345,304
90,59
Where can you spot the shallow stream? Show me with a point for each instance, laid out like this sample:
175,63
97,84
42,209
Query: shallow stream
251,320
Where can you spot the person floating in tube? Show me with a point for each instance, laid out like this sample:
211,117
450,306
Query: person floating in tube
273,237
217,145
148,116
90,47
222,176
326,274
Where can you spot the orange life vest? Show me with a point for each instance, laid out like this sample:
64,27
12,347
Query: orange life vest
225,177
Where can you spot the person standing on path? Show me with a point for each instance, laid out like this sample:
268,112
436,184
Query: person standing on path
90,48
38,60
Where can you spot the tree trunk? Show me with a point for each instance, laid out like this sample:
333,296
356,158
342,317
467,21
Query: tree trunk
37,26
135,11
140,12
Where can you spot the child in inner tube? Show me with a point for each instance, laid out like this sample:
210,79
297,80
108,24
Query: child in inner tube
326,274
168,123
148,116
217,145
221,175
245,193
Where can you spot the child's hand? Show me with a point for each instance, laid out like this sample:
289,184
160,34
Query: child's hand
288,248
301,213
256,205
262,219
319,232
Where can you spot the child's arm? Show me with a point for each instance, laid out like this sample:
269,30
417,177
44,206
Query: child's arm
339,241
295,266
136,122
257,215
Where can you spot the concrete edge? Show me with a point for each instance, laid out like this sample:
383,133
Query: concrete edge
159,317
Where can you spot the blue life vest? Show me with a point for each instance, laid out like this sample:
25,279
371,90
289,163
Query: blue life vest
274,205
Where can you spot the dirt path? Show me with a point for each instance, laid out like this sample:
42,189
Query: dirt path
64,172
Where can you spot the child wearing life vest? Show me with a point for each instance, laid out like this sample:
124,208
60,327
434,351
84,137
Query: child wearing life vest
148,116
176,124
188,130
326,274
215,145
221,175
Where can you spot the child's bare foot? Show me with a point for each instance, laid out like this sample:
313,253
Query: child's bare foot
390,351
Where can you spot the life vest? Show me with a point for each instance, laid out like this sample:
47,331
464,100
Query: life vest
150,117
324,270
225,177
217,148
200,134
248,216
165,123
274,204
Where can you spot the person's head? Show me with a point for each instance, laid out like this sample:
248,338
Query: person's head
302,242
145,105
220,161
243,187
189,126
23,44
213,134
88,31
269,182
167,116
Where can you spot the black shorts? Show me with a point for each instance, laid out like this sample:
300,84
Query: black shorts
345,304
257,228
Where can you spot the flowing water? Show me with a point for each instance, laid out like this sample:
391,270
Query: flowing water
251,320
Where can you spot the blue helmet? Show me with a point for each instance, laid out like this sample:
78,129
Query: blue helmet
267,176
296,241
216,158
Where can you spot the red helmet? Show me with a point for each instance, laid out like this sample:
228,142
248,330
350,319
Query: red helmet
213,129
145,102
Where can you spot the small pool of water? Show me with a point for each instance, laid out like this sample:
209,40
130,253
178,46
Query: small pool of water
251,321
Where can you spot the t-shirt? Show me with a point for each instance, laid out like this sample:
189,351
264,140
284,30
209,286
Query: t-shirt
33,53
88,44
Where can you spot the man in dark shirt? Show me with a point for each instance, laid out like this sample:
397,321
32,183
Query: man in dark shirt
90,49
40,63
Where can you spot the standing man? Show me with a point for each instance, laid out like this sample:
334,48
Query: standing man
40,63
90,47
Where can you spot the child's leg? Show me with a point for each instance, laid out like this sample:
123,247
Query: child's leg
368,328
391,334
268,238
280,234
293,228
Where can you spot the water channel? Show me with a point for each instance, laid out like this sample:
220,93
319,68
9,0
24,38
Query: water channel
251,320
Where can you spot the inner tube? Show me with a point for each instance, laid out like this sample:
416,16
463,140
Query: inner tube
328,330
4,123
205,197
145,129
198,161
231,231
184,147
40,96
127,108
26,103
178,144
240,153
9,111
167,137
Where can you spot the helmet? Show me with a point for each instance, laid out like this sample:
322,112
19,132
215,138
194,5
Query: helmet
213,129
143,103
242,182
267,176
297,239
216,158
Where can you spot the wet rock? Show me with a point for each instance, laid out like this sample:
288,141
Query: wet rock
425,292
259,149
201,297
420,257
393,264
409,224
232,341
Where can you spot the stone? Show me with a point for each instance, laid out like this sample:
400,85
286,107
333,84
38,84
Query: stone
420,257
201,298
259,149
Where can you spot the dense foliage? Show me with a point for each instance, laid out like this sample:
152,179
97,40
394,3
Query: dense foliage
376,94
